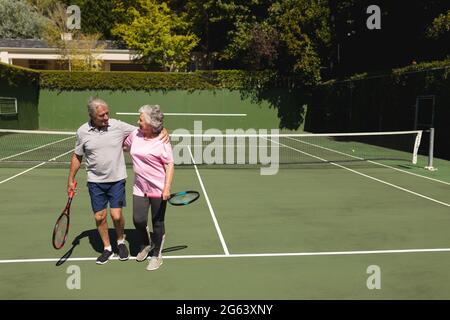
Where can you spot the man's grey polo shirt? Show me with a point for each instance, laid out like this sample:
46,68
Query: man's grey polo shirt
103,150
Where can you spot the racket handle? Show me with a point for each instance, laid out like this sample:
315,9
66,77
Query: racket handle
72,192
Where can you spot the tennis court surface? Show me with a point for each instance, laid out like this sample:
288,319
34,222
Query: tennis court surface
335,208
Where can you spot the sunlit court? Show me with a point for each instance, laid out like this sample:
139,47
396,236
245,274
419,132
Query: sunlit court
335,206
224,151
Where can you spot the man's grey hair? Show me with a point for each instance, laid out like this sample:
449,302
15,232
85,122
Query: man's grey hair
93,104
153,116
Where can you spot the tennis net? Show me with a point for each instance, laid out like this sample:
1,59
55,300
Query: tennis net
228,150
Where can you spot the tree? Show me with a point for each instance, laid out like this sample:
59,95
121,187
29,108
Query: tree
42,6
18,19
97,16
251,41
305,32
157,34
85,50
439,26
402,39
56,33
78,51
289,35
255,45
218,23
292,35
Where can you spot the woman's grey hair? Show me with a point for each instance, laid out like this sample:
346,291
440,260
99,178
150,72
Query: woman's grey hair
93,104
153,116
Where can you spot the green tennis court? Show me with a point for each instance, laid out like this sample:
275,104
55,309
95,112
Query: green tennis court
310,231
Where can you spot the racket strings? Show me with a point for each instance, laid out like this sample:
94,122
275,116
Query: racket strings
183,198
61,230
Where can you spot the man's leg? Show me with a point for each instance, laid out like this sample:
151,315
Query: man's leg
102,227
99,202
119,222
116,196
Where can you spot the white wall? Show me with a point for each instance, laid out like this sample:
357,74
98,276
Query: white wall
4,57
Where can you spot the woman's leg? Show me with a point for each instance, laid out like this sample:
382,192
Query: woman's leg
158,207
140,218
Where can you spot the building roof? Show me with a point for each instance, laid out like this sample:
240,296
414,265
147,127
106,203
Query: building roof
41,44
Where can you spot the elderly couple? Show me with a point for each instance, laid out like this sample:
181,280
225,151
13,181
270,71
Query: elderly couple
102,141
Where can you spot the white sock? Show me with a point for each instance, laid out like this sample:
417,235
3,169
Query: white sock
121,241
108,248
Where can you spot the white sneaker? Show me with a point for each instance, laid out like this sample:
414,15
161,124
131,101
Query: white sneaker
154,263
141,256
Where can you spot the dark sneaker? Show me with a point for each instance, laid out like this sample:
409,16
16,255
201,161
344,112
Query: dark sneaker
123,252
104,257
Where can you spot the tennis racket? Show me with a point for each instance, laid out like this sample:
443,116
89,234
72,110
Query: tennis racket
183,198
61,229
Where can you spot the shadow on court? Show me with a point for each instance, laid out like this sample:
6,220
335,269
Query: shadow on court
132,239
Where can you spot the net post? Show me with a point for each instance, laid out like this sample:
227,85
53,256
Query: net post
430,152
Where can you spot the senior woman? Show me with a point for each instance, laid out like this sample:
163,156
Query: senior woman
153,173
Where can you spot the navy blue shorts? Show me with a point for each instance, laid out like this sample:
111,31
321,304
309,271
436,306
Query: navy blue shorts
102,193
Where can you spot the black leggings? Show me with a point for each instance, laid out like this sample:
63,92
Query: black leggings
140,220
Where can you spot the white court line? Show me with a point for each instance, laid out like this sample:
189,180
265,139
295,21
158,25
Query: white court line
71,133
190,114
374,162
36,166
23,172
34,149
249,255
216,224
365,175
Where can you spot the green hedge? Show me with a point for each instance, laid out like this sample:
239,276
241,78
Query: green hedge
396,73
17,76
199,80
124,81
